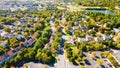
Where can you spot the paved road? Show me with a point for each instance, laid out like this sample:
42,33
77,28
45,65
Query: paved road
63,17
116,55
61,62
53,25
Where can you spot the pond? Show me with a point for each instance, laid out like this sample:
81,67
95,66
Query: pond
103,11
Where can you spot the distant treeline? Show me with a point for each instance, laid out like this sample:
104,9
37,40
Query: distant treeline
101,3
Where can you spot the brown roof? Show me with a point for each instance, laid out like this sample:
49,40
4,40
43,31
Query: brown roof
12,66
11,52
116,38
31,40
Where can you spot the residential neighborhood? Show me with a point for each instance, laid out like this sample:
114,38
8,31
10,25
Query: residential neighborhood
59,34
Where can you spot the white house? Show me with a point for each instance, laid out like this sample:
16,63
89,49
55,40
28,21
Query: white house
106,37
75,27
4,33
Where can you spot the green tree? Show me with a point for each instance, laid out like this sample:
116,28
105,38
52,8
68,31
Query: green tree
14,42
55,46
100,62
118,45
82,67
93,55
38,26
7,29
106,53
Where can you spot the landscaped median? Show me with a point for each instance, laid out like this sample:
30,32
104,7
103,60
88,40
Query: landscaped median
111,59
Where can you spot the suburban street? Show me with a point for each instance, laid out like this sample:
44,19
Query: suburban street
60,34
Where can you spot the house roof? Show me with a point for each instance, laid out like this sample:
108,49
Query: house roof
11,52
116,38
47,46
3,43
12,66
2,58
18,48
31,40
24,43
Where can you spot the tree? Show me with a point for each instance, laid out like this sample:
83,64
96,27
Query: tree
14,42
82,67
109,56
38,56
93,55
99,46
106,53
31,31
3,50
28,25
79,59
45,66
101,54
38,26
77,33
68,31
39,44
8,20
55,46
92,32
26,34
100,62
101,29
41,20
36,35
84,59
6,66
31,54
58,29
58,39
118,46
7,29
45,34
